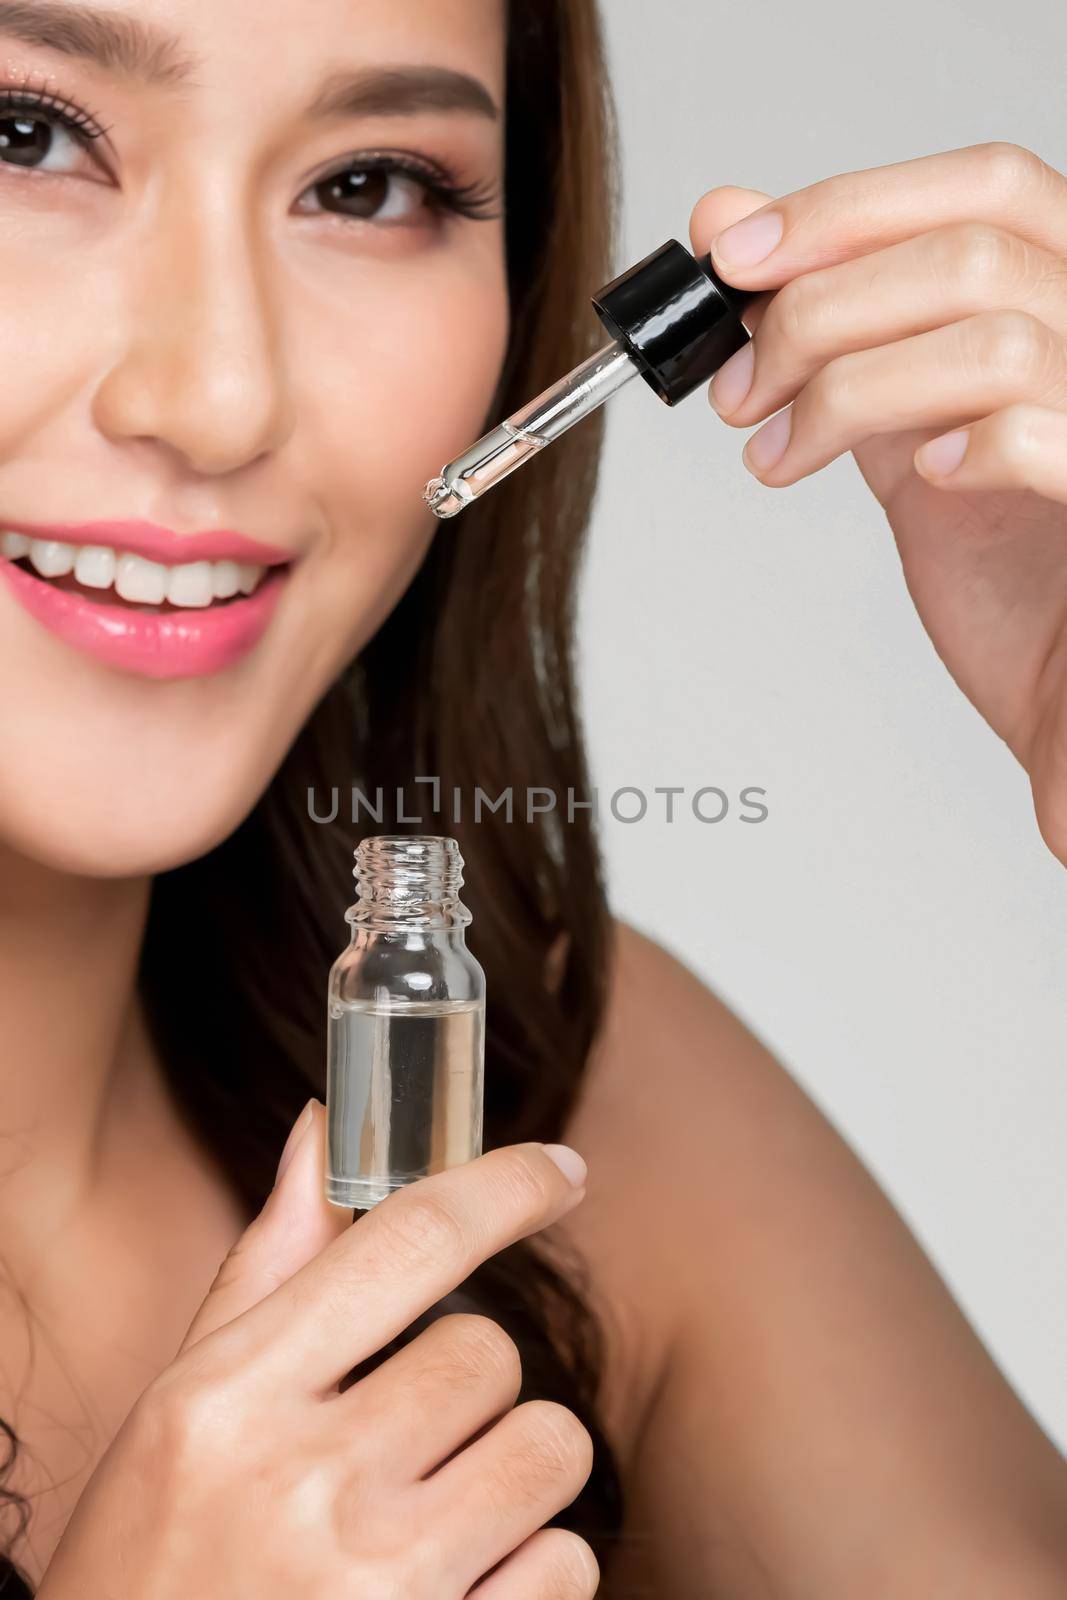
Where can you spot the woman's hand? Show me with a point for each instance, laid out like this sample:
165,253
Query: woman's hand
920,321
243,1472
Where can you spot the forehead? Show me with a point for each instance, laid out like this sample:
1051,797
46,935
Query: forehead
268,42
288,36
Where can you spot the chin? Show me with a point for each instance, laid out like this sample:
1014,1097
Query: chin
85,831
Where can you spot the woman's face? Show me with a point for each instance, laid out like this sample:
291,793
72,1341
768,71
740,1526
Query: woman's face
220,316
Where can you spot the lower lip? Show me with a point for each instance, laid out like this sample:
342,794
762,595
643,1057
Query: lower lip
173,644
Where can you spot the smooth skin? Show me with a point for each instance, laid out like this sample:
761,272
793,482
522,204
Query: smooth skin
798,1408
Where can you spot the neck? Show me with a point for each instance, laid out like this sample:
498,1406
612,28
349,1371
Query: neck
75,1066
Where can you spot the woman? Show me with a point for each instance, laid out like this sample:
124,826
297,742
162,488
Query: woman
259,282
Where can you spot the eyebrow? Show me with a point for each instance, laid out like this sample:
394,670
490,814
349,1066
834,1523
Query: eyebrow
134,48
401,91
109,39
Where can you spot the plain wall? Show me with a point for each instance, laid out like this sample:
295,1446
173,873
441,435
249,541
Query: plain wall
895,930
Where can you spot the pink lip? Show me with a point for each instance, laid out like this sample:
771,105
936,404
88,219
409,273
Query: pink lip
148,539
172,644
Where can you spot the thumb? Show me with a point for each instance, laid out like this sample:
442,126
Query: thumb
718,209
295,1224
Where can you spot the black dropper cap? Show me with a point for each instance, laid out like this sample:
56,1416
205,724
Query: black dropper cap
677,318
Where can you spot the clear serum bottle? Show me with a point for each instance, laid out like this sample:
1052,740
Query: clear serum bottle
406,1024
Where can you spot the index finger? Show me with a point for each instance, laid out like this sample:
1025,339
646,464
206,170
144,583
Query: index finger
855,213
399,1259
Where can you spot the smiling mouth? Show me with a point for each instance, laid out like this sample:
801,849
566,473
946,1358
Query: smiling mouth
131,582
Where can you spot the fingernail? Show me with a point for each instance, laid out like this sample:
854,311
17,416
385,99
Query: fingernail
296,1133
767,447
941,456
749,241
568,1161
733,380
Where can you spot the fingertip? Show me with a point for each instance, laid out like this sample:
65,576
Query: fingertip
312,1213
939,458
718,209
294,1140
569,1162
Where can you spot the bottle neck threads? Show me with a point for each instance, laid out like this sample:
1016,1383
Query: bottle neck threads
408,881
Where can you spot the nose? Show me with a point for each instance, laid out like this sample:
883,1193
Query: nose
200,366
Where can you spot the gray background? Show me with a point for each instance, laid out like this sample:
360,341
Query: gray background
895,931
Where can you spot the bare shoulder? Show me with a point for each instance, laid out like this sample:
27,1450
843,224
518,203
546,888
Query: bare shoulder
677,1078
776,1338
671,1069
670,1054
656,1003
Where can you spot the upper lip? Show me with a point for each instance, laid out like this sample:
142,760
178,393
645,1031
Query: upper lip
155,543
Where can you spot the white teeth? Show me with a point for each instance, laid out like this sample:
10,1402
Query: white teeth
144,582
190,585
138,579
94,565
225,579
14,545
51,558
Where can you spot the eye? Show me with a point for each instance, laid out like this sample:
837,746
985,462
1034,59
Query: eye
390,189
366,193
42,133
27,141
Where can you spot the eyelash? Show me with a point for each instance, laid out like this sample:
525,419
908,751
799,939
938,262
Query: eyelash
463,199
69,115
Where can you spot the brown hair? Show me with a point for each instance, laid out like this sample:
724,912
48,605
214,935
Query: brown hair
470,678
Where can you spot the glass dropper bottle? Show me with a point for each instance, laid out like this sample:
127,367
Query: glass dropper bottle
406,1024
673,321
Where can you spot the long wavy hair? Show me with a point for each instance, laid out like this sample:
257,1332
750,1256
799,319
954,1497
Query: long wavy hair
471,679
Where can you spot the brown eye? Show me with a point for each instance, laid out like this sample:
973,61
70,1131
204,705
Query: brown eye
44,134
395,189
357,193
370,194
25,141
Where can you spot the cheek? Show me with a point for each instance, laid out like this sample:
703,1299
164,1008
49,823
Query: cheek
45,335
396,379
419,374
